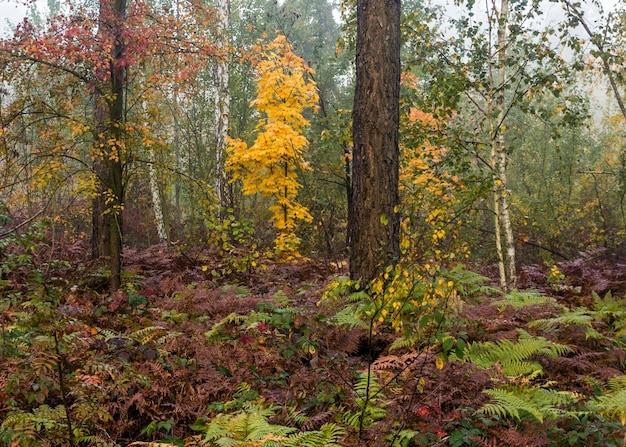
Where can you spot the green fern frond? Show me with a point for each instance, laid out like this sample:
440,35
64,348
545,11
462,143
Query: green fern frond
617,383
369,401
254,318
612,310
513,358
239,290
404,342
215,333
550,348
522,403
329,435
43,419
467,282
516,368
349,316
518,299
612,403
366,385
281,299
249,426
580,317
147,335
608,303
108,334
577,317
297,417
358,297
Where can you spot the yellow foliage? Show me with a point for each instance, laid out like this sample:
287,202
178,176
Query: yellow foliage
429,191
270,166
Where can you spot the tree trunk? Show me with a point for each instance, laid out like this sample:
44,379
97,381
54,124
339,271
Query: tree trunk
506,252
109,118
374,224
222,101
157,206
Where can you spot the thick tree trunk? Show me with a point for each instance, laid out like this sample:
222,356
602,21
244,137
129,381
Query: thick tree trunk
222,102
374,224
108,166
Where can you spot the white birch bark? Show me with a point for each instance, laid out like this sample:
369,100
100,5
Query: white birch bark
505,249
157,206
222,98
501,159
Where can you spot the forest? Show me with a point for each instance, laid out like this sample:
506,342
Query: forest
313,223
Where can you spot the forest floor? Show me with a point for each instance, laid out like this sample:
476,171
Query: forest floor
185,341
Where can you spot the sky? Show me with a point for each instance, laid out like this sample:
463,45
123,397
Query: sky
13,11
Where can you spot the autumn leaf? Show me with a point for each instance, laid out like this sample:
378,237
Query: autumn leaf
270,165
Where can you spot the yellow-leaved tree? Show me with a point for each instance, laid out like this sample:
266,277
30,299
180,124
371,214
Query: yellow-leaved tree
270,166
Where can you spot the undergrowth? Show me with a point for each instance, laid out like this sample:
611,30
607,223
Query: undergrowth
288,355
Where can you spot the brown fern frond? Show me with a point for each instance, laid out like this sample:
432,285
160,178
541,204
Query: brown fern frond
512,437
316,421
483,441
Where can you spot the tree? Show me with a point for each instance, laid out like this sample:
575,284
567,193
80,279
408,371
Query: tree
499,60
373,221
108,138
496,113
222,101
270,166
101,57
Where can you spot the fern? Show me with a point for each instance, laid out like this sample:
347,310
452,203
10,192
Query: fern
215,333
612,403
251,427
250,424
350,316
467,282
239,290
254,318
369,401
522,298
329,435
42,421
147,335
577,317
608,304
611,309
108,334
529,403
513,357
405,342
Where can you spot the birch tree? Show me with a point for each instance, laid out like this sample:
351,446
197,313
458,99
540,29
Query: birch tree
497,112
499,59
222,100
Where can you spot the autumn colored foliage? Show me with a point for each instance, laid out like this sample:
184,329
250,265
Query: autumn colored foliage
271,164
232,320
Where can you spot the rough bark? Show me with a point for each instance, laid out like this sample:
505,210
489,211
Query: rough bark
374,220
108,166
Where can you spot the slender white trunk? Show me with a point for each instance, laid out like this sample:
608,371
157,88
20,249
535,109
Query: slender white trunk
497,193
497,113
222,98
505,219
176,142
156,200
